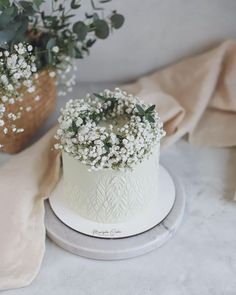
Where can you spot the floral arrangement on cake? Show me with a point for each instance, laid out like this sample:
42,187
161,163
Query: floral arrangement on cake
111,129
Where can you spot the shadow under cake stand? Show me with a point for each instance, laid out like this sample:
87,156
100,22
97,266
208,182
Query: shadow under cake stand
102,248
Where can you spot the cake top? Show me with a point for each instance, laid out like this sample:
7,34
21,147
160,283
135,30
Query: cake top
111,129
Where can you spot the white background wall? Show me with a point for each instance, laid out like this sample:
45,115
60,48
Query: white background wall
157,33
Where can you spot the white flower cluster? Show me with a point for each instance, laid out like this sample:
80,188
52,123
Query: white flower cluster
111,130
66,75
17,69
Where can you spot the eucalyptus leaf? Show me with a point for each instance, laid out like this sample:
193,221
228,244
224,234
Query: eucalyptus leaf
78,53
101,29
81,30
6,35
150,109
49,57
5,20
99,96
95,16
71,49
150,119
51,43
88,15
140,110
21,31
117,20
38,3
90,42
7,17
74,5
28,7
4,3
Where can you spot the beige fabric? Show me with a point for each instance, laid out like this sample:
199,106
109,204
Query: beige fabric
25,180
194,97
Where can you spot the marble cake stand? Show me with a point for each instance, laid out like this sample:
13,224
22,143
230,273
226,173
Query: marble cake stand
115,249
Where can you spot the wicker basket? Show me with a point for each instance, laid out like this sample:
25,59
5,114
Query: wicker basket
31,120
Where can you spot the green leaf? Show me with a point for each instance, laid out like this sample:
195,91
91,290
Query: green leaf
90,42
38,3
117,20
73,127
99,96
66,17
51,42
20,34
150,109
81,30
88,15
107,148
150,119
71,49
140,110
95,16
101,29
73,4
4,4
28,7
107,144
7,17
78,53
6,36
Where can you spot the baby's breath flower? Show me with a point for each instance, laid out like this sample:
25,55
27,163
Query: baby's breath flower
29,48
52,74
130,134
37,98
17,69
55,49
2,108
31,89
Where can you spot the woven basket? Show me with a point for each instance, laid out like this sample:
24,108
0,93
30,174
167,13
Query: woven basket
31,120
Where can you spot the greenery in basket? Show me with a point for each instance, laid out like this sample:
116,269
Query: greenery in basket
26,21
33,38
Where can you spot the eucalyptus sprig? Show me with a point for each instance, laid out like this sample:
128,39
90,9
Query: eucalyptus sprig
26,21
148,113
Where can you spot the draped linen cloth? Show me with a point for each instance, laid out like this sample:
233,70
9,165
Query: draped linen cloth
195,97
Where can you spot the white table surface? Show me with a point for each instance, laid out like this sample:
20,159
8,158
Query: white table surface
200,259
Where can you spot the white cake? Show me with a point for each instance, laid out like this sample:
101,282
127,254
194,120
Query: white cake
111,196
110,149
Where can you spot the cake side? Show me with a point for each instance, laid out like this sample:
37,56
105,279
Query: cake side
111,196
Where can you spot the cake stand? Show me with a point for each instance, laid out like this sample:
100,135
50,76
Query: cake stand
119,241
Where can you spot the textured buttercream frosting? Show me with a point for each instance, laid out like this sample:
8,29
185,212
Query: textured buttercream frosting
111,196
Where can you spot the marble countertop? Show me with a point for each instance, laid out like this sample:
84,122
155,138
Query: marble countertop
199,259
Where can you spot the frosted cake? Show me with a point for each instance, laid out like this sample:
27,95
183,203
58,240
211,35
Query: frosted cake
110,145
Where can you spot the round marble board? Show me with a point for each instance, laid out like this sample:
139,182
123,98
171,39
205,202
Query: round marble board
108,245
